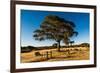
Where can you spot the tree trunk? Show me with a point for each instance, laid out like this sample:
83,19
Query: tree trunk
58,46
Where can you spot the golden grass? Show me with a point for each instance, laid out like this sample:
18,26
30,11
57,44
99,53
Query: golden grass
81,53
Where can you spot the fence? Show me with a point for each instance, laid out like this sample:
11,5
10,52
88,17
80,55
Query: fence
53,54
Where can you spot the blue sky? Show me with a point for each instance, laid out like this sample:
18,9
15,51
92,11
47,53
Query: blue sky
31,20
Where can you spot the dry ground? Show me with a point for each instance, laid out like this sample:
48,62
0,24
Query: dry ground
75,53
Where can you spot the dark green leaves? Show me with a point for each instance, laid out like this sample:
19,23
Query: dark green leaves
55,28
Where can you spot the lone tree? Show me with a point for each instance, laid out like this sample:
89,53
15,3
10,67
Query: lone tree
55,28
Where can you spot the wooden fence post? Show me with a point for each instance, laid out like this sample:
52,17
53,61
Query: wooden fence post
47,55
50,54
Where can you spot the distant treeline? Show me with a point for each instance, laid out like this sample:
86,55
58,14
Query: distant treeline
30,48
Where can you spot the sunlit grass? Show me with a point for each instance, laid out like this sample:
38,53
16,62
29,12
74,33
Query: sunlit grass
81,54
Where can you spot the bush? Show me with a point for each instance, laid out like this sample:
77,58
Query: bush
37,54
55,45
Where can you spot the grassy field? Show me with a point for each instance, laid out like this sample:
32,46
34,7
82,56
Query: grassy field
72,53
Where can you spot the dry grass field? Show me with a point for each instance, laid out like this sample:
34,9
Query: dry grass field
74,53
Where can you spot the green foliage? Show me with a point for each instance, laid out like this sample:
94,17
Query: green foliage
55,28
55,45
85,44
37,54
27,49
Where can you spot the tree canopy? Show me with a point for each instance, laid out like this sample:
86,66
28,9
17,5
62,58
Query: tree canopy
55,28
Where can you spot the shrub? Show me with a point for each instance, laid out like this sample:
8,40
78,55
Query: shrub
37,54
